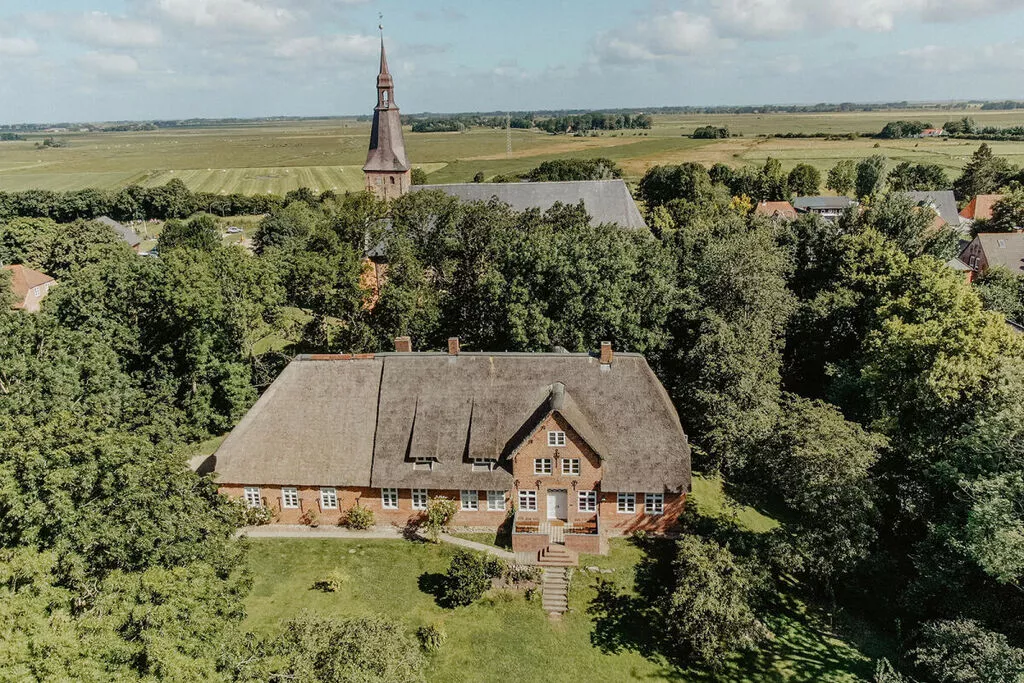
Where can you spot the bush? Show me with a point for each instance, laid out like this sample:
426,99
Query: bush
311,518
418,177
431,637
466,579
359,518
495,567
332,582
478,177
440,511
257,516
524,573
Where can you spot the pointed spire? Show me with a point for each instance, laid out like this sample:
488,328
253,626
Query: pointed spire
383,56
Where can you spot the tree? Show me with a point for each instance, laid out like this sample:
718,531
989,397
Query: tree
842,177
1008,212
293,222
964,125
771,183
711,132
418,176
870,176
708,615
804,180
466,580
574,169
1003,291
963,651
995,526
983,174
908,177
662,184
199,232
895,216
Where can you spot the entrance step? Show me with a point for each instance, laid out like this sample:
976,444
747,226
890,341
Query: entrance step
556,555
555,591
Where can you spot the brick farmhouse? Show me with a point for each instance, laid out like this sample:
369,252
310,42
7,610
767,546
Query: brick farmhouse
564,448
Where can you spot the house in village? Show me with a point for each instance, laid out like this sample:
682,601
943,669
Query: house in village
943,204
30,287
783,210
566,449
829,208
123,231
991,249
388,173
980,208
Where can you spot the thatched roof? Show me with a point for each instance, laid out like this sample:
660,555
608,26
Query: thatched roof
453,408
607,201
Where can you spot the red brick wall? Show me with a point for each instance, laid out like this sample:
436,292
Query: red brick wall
529,542
614,523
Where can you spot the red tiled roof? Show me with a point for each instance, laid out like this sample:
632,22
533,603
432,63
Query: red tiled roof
980,206
784,209
24,279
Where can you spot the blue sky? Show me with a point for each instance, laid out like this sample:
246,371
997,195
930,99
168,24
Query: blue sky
92,60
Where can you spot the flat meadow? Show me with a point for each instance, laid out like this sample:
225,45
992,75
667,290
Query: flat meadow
327,154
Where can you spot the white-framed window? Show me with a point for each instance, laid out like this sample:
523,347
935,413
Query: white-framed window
37,292
528,501
419,499
587,501
389,499
570,465
626,503
484,464
252,496
289,497
328,498
423,464
556,438
495,500
654,503
470,500
542,466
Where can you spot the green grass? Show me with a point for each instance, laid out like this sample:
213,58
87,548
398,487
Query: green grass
328,154
505,637
486,538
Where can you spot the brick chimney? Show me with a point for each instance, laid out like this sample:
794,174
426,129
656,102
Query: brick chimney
403,344
606,353
453,346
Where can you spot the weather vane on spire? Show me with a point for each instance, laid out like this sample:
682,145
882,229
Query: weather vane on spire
380,26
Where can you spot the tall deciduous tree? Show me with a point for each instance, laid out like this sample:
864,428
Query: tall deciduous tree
842,177
870,175
804,180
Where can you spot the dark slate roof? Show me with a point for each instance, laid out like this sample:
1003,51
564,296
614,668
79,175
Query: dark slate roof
316,423
943,201
822,203
123,231
1003,249
607,201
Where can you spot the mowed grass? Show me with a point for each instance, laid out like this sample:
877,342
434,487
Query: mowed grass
328,154
506,637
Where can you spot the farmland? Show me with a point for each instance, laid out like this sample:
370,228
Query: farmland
328,154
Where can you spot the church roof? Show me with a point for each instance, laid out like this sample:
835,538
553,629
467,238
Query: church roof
361,421
607,201
387,146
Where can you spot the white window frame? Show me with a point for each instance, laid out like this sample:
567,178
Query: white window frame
253,497
289,498
654,503
542,466
495,500
527,500
625,503
37,291
328,498
469,500
423,463
586,501
389,499
484,464
420,497
570,466
556,438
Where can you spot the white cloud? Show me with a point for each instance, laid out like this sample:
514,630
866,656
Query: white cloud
339,46
243,14
18,47
665,36
109,64
99,28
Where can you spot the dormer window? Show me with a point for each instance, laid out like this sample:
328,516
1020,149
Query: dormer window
484,464
423,464
556,438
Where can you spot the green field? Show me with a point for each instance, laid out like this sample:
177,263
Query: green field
505,637
328,154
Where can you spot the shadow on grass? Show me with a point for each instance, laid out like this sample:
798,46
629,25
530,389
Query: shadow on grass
432,583
801,649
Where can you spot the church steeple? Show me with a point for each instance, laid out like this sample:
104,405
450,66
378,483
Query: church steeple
387,169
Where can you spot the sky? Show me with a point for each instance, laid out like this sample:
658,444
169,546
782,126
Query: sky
106,60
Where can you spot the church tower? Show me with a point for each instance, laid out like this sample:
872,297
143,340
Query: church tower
387,169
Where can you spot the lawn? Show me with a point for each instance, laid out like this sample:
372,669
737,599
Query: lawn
328,154
506,637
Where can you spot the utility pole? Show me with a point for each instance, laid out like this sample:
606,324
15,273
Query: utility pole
508,135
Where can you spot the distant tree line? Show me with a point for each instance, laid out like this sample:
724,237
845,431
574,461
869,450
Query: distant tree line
9,137
998,106
594,121
894,130
711,132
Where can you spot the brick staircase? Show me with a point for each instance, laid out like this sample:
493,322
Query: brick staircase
556,555
555,591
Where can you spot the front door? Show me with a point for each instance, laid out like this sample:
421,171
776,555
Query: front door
558,507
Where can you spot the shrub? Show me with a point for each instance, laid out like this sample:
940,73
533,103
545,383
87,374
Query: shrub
523,573
359,518
257,516
332,582
431,637
465,581
311,518
495,567
418,177
478,177
440,511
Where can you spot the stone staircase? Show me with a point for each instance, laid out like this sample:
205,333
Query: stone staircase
555,591
556,555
